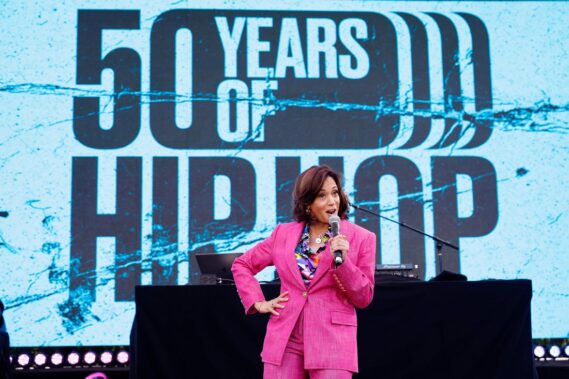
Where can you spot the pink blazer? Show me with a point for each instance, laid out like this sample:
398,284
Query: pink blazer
328,303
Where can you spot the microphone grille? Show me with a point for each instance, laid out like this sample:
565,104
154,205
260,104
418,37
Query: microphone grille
334,222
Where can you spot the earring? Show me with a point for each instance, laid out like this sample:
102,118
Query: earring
307,211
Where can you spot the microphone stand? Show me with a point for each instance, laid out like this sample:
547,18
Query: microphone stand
440,242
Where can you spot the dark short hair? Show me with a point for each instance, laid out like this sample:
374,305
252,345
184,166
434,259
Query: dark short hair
308,185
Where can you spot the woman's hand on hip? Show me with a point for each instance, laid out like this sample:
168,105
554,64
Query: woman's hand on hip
272,306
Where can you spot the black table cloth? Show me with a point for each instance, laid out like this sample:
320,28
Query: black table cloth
410,330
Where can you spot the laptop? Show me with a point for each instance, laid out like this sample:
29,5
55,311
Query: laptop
218,264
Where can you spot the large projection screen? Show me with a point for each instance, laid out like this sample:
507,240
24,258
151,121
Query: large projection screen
135,134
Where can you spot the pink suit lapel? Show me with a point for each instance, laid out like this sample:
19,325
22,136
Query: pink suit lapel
293,235
323,265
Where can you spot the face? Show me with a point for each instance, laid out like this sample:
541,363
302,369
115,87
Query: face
327,202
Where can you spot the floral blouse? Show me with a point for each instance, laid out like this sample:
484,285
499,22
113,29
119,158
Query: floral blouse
307,259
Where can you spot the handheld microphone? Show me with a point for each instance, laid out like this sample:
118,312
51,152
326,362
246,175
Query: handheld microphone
334,222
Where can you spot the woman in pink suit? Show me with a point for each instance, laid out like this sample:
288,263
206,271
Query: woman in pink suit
312,325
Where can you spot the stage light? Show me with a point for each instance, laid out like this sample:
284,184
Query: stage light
539,351
122,357
554,351
46,358
106,357
40,359
23,359
566,350
73,358
56,359
90,357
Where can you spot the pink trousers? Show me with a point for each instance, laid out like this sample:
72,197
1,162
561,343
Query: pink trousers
292,366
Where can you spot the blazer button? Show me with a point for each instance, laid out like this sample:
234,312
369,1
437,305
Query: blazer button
305,294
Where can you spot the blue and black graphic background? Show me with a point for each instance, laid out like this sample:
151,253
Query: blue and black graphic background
134,137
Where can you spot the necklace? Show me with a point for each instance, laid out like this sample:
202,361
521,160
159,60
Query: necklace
318,238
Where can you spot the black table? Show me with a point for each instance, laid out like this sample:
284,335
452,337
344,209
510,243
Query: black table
411,330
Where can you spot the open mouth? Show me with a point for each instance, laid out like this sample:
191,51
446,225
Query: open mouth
332,211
